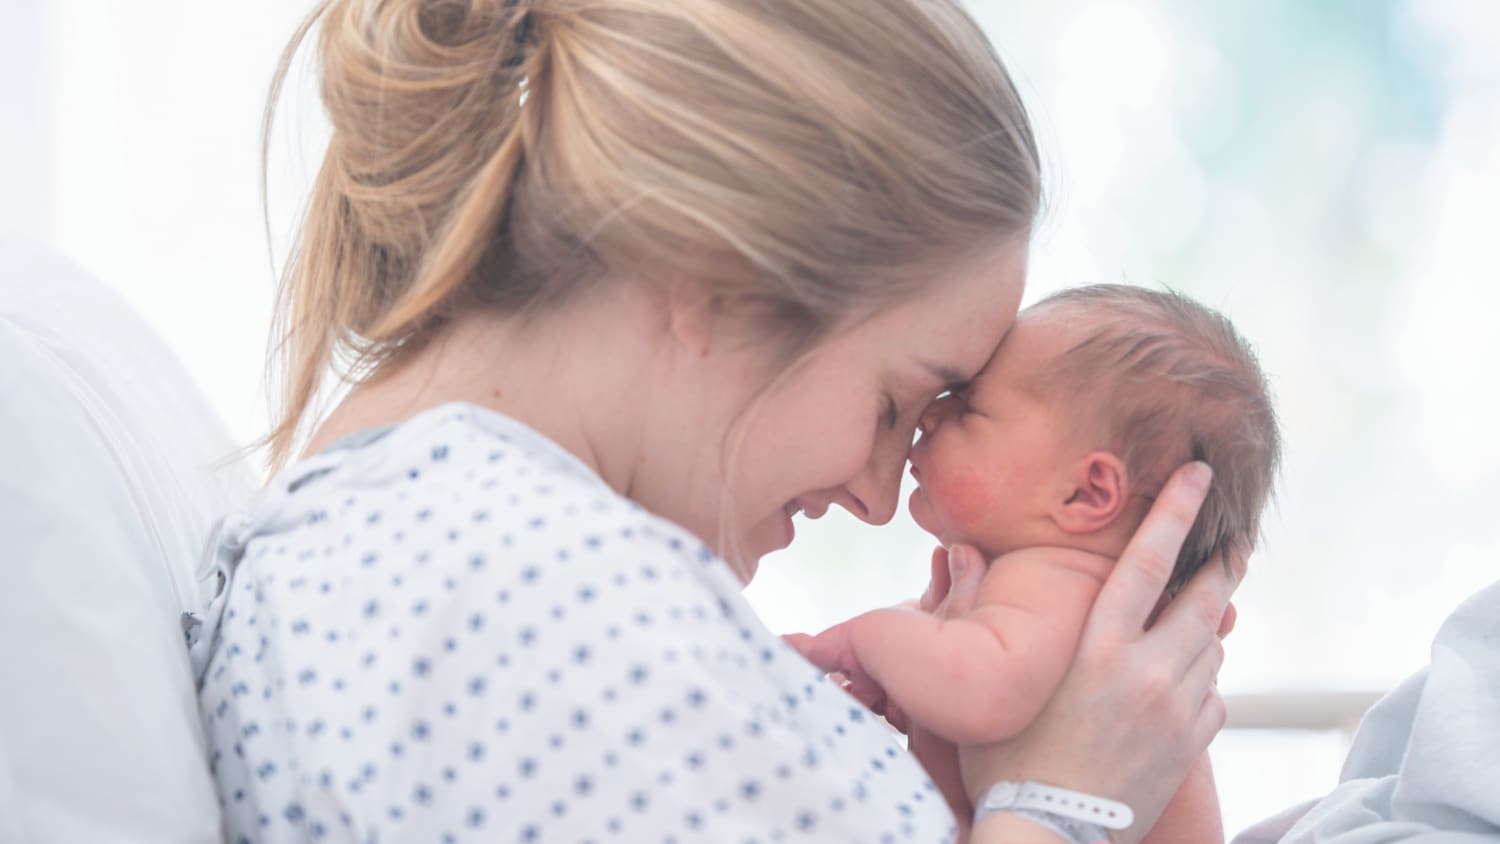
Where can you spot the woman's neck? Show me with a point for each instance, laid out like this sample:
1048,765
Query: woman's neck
639,388
572,373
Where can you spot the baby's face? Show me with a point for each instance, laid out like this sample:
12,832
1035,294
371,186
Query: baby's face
991,459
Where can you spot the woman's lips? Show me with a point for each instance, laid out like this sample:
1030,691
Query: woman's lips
812,511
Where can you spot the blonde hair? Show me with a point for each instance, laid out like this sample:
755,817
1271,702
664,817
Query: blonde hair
1175,382
805,159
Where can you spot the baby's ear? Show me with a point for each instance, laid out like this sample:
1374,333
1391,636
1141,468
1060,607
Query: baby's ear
1097,495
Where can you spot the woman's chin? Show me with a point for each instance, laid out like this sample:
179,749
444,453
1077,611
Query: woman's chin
744,564
746,570
770,536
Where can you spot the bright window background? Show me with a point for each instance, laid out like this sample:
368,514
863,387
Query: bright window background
1327,173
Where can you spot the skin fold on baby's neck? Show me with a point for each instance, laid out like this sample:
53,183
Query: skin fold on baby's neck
1089,563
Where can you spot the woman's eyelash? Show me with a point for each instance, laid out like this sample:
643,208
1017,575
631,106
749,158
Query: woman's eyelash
890,412
959,391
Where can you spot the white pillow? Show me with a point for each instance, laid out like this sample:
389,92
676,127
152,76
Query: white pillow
112,469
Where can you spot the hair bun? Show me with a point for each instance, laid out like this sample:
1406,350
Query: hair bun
754,146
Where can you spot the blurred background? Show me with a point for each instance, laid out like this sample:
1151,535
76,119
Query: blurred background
1327,174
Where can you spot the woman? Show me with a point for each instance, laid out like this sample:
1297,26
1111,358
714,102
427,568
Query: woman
620,288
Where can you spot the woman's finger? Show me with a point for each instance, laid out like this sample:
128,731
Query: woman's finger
1211,718
1203,671
1197,613
1137,582
1203,675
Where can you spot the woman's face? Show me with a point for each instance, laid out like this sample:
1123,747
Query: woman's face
837,428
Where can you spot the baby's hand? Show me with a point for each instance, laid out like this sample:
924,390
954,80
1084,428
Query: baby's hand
951,592
831,651
800,643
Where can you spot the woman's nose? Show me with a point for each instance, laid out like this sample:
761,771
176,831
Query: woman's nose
876,490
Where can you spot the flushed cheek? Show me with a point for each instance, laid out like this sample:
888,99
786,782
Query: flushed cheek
963,500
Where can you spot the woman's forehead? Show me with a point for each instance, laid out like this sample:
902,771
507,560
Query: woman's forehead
975,307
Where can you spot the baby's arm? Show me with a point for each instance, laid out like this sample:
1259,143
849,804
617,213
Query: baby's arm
974,679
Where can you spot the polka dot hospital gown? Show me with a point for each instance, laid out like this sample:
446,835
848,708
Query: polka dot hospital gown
452,630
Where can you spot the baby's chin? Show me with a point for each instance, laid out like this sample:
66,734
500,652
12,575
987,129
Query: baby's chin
928,518
923,513
920,510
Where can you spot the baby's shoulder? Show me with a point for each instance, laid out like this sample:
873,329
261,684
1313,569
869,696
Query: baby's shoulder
1045,569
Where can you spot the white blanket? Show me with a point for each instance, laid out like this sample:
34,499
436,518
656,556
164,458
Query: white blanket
1425,764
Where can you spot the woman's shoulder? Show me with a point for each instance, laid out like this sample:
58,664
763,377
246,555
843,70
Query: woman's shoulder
468,500
448,445
458,467
467,477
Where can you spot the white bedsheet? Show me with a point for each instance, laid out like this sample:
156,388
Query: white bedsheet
1425,763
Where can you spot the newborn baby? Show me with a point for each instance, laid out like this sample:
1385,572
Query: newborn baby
1047,463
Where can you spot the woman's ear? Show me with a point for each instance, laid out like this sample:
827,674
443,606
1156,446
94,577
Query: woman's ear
691,315
1097,494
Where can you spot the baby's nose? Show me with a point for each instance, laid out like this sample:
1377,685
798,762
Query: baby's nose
934,415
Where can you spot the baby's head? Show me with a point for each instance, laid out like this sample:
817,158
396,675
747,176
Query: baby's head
1094,397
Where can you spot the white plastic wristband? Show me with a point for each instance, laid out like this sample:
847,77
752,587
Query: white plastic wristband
1081,817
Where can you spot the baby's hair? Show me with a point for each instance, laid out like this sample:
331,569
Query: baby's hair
806,161
1174,381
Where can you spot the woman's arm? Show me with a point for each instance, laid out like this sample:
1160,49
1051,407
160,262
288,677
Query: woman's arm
1138,707
1006,828
1191,818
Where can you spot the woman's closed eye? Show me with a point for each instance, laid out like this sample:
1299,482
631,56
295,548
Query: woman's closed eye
959,390
960,393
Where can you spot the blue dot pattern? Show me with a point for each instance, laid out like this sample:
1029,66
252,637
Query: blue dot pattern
458,632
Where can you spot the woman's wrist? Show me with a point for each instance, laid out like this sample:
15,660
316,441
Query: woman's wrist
1076,817
1010,828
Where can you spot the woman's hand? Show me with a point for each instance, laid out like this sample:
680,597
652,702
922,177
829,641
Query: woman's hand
1138,706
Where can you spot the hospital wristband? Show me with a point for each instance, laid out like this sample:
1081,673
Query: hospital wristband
1077,817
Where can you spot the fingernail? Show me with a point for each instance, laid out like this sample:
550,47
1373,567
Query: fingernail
1199,476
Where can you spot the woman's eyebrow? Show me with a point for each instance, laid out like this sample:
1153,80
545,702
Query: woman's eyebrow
947,375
